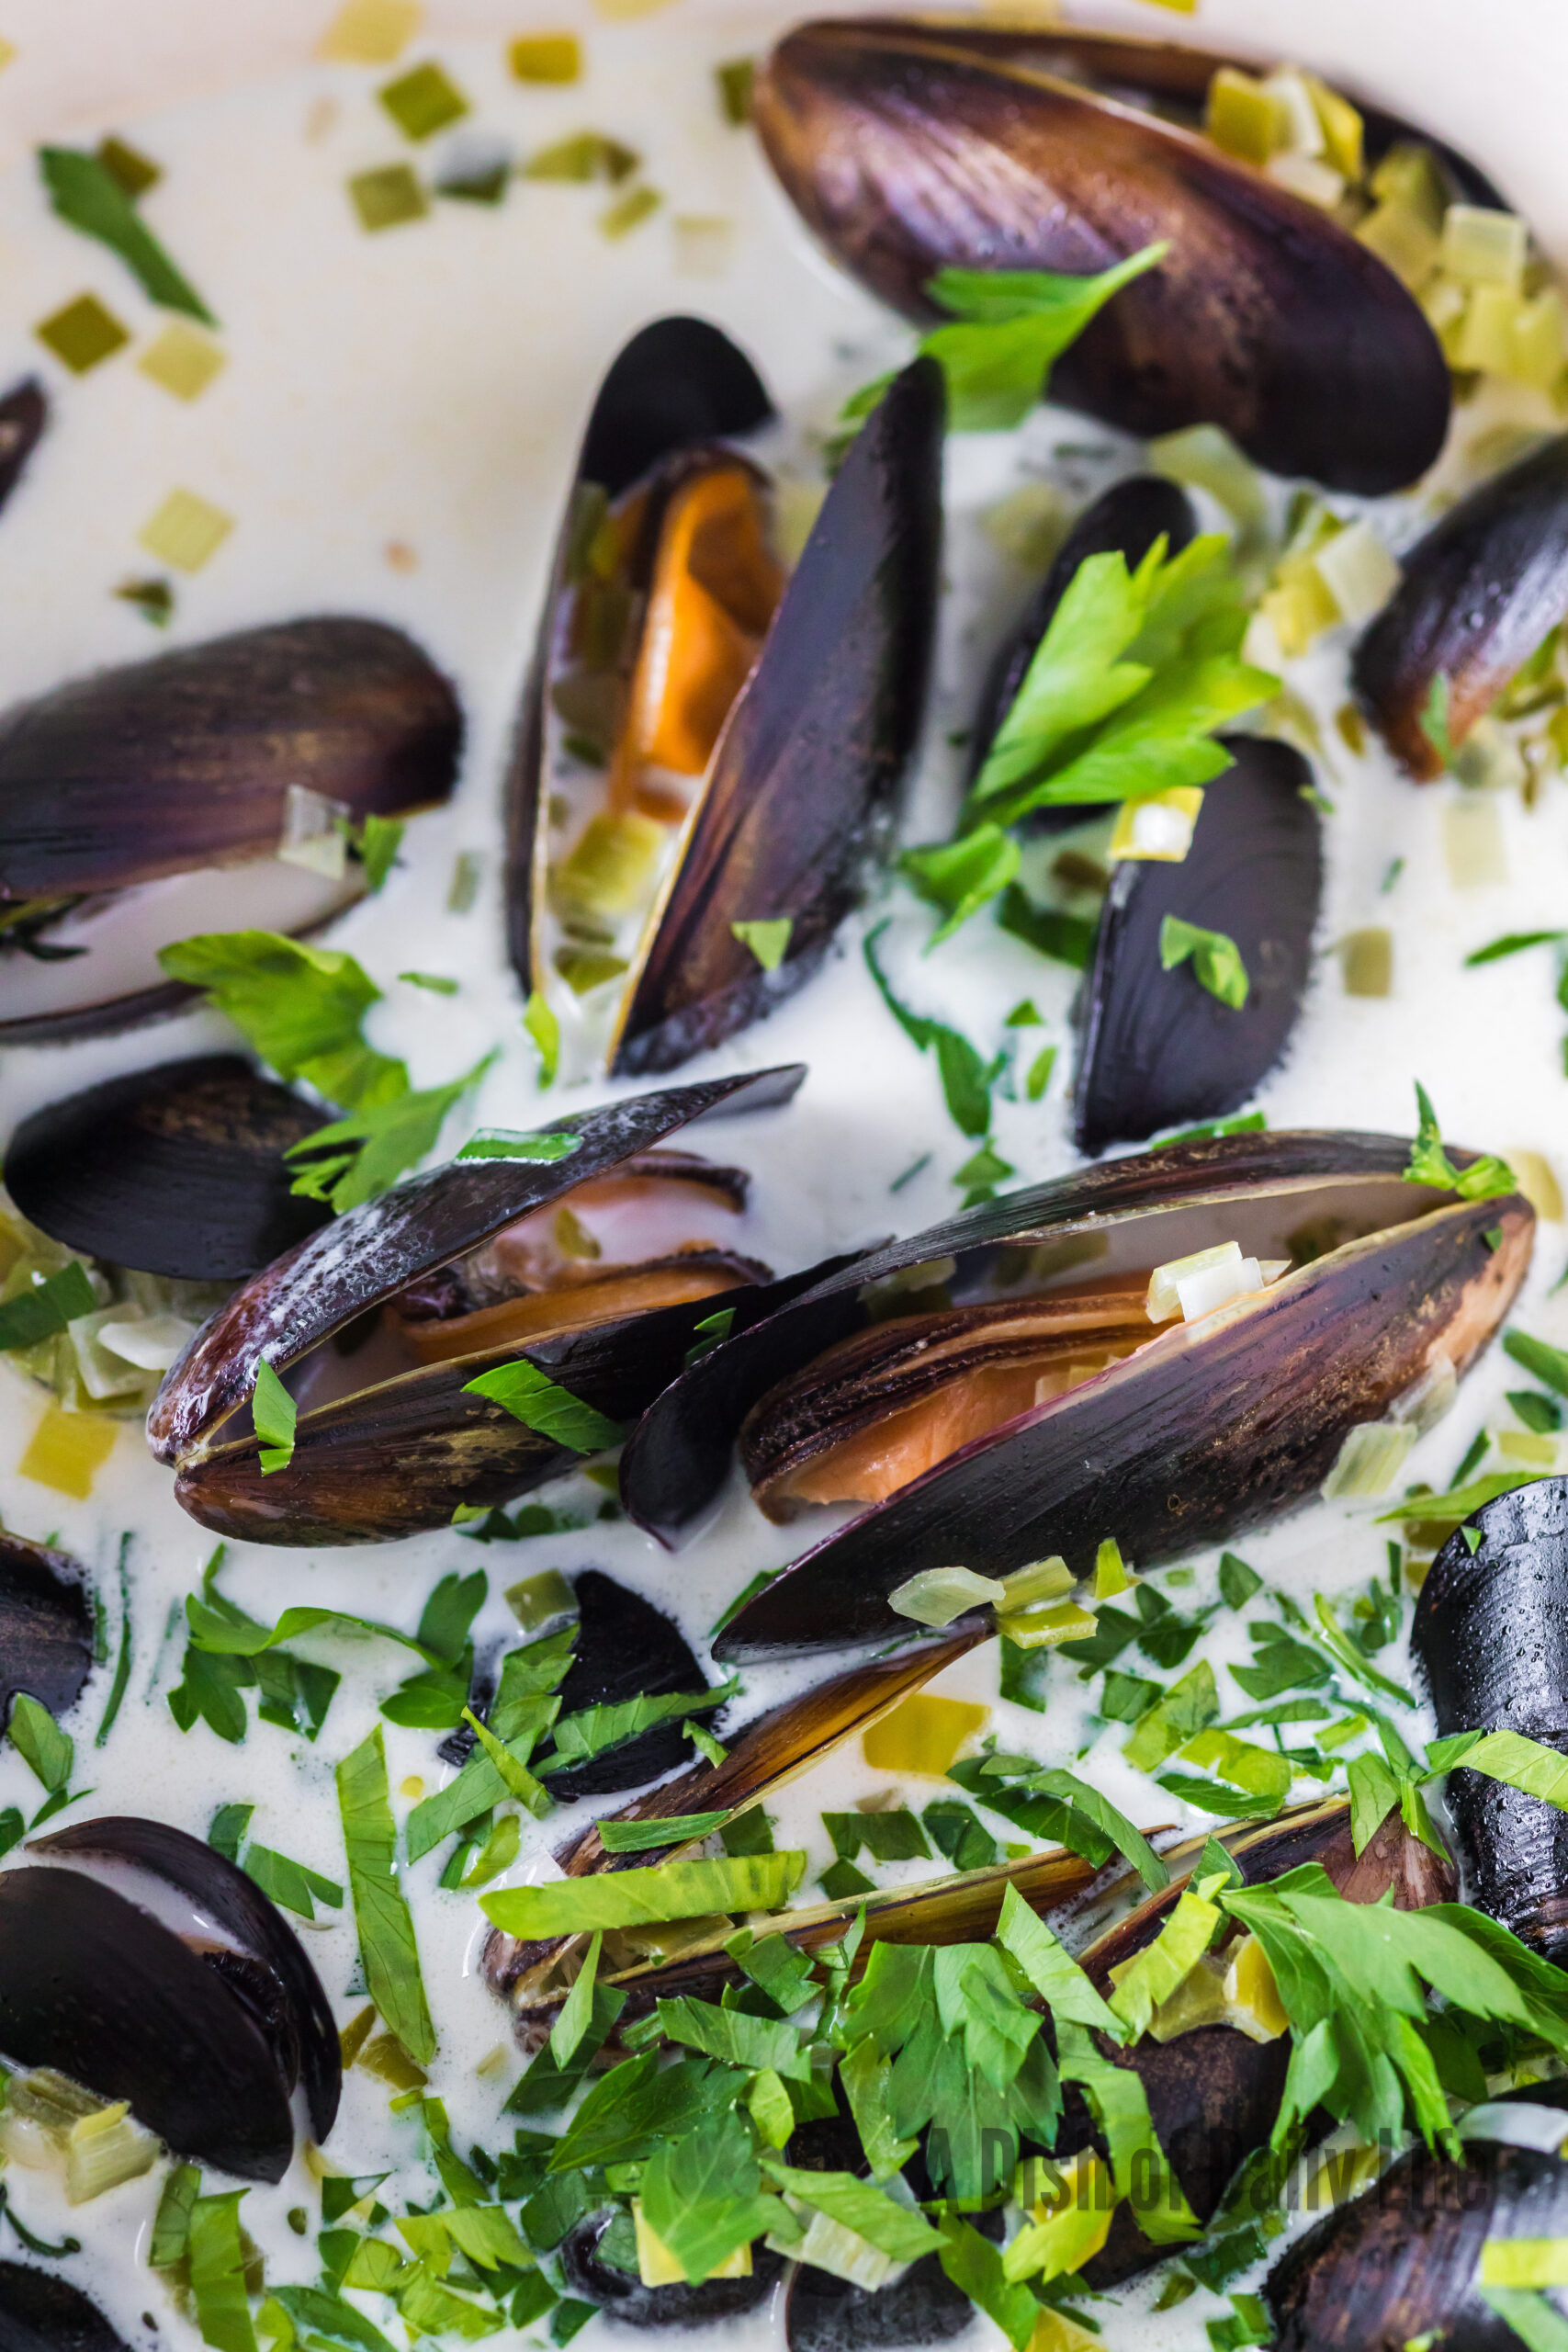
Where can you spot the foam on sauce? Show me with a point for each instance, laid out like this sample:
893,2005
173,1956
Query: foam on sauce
394,435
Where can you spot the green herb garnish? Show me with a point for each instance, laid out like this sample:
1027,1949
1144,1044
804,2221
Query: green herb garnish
540,1403
40,1314
275,1413
354,1159
967,1080
387,1946
1483,1179
217,2258
87,195
768,941
1216,959
681,1889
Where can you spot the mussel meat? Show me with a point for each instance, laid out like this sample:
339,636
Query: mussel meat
575,1244
995,1390
1479,593
41,2312
910,146
706,743
46,1627
23,413
145,1966
1402,2263
142,805
1157,1049
1491,1634
176,1170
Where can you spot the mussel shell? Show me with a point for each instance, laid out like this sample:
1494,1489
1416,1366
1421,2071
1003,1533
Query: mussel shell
911,147
41,2312
184,762
1211,1429
23,413
625,1648
95,1986
1402,2262
677,381
231,1899
824,2313
798,793
1157,1049
174,1170
1491,1634
399,1456
46,1627
1479,593
624,2299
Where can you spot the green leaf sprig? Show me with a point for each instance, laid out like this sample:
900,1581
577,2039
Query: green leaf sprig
86,196
1216,959
1484,1179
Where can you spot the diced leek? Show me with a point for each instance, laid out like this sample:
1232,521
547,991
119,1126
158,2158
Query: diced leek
1307,177
1110,1574
1490,760
1341,124
538,1599
1540,1452
842,2253
1244,117
1538,345
1429,1399
587,155
1046,1626
1538,1183
186,531
1028,525
586,968
313,832
657,2267
704,243
1486,338
1041,1581
1299,607
937,1596
66,1451
609,869
103,1372
1445,302
423,101
370,32
1159,827
183,360
629,211
83,334
388,2060
105,2149
1366,961
545,57
7,54
1252,1997
151,1343
1164,1301
1298,116
1358,570
734,80
1409,175
1199,2000
1068,2226
1053,2331
1205,457
923,1734
385,198
1369,1457
1473,843
1342,2175
1403,239
1484,247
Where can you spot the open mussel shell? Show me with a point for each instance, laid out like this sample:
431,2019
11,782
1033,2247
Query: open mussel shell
909,147
46,1627
204,2026
23,413
624,2302
175,1171
386,1443
761,1759
1125,520
625,1649
826,2314
1402,2263
1491,1634
142,805
1478,594
41,2312
776,791
1157,1049
1188,1433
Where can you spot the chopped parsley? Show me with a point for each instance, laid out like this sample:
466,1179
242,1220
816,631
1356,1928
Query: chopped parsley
89,194
1483,1179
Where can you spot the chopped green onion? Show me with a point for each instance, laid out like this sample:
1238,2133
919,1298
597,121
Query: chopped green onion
87,195
83,334
545,57
681,1889
422,101
386,197
768,941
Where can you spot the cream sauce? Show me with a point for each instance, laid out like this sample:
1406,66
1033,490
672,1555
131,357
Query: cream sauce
423,391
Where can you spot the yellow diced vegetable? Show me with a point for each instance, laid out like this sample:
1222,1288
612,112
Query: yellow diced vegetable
1068,2226
537,1599
630,210
1539,342
370,32
1538,1184
1366,961
66,1451
1358,571
83,334
1369,1456
922,1734
545,57
1160,826
1446,303
1473,844
1341,124
1245,117
609,870
1403,240
1303,132
1028,525
704,243
1486,341
7,54
1042,1628
1053,2331
1343,2174
1527,2263
1537,1451
1252,1994
385,198
1300,607
1307,177
1408,174
183,360
1482,247
658,2266
186,531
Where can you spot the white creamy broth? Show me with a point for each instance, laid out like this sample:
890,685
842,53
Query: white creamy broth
394,435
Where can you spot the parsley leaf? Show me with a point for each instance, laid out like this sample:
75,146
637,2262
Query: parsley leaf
703,2196
273,1411
40,1314
961,877
683,1890
1548,1363
532,1398
356,1158
87,197
387,1945
301,1007
1483,1179
967,1080
1216,959
217,2256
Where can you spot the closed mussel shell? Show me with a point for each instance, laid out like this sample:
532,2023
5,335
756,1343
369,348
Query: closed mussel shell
1402,2263
1479,593
1157,1049
175,1171
1491,1632
46,1627
794,799
41,2312
1180,1440
182,767
24,411
395,1450
909,147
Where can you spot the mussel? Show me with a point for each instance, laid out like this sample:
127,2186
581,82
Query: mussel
1491,1634
1125,520
23,413
994,1389
705,743
46,1625
910,146
141,805
1479,592
145,1966
575,1244
176,1170
625,1648
1402,2263
41,2312
1156,1047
